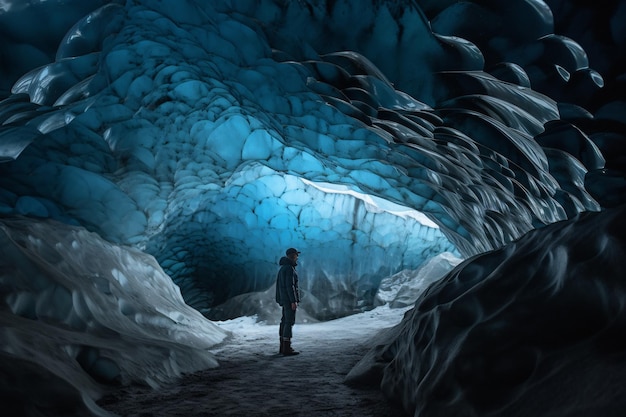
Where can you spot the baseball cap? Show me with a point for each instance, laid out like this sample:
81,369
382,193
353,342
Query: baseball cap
292,250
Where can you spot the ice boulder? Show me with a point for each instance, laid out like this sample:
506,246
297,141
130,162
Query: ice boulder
402,289
535,328
79,314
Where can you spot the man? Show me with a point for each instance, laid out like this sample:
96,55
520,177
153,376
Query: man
288,296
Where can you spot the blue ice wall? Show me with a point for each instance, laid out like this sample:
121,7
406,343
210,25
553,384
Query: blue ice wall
204,133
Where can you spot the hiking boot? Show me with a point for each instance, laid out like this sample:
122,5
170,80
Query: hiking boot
288,350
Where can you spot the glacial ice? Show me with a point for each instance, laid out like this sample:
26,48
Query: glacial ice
82,313
402,289
213,135
533,328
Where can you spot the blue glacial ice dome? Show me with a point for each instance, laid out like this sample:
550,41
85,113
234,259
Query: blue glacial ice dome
374,136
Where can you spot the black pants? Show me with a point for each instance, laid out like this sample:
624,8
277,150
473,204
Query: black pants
287,321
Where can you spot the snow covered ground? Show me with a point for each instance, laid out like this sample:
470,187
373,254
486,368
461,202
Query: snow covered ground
254,380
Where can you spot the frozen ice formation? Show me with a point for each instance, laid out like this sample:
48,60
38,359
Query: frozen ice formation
404,287
534,328
207,135
79,312
374,136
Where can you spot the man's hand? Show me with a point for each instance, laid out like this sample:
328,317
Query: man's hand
294,306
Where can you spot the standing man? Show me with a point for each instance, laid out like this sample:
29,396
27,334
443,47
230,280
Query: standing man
288,296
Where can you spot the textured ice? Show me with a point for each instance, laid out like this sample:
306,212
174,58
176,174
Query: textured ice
374,136
534,328
80,312
159,115
403,289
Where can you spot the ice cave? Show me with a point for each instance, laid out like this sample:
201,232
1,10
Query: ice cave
158,156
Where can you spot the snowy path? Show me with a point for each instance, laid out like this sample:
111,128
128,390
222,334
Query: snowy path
254,380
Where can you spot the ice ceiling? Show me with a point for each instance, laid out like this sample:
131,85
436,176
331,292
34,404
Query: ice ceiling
199,133
371,135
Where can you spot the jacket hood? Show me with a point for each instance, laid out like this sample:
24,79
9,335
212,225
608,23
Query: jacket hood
286,261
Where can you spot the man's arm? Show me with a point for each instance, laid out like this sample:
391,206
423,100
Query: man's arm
293,294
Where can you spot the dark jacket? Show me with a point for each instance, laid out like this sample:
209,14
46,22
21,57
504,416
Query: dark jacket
287,291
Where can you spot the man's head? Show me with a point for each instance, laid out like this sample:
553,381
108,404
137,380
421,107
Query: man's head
292,253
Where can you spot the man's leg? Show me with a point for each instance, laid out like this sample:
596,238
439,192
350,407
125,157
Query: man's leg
290,319
281,330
